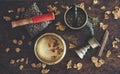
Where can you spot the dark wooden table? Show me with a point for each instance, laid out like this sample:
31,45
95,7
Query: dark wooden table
7,34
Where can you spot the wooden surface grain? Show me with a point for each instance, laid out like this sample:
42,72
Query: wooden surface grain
7,34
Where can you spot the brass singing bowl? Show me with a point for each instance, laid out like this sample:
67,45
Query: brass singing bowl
49,52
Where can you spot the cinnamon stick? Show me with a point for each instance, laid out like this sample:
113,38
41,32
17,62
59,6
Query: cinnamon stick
104,41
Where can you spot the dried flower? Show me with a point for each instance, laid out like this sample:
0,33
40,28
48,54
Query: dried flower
103,26
108,12
108,53
95,2
71,46
22,60
65,7
116,13
12,61
79,66
33,65
20,10
38,65
7,49
81,5
75,66
45,71
106,16
20,42
10,11
17,50
23,37
30,43
14,41
18,60
26,60
43,65
6,18
51,8
69,64
57,12
103,8
118,56
16,16
21,67
59,26
94,59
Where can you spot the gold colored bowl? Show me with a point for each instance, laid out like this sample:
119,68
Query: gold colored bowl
50,48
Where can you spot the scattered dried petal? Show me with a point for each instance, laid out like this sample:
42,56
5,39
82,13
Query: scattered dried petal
38,65
17,17
6,18
7,49
17,50
108,53
116,13
21,67
103,8
69,64
71,46
33,65
10,11
95,2
79,66
106,16
51,8
118,56
45,71
75,66
108,12
94,59
43,65
117,39
89,8
14,41
101,61
59,26
103,26
65,7
12,61
22,60
18,60
82,5
98,64
20,10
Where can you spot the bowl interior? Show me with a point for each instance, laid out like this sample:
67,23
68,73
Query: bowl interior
50,48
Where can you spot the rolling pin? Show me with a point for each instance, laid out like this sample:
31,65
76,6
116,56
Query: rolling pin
34,19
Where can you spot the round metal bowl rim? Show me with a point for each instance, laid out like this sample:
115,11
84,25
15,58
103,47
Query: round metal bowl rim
64,45
74,27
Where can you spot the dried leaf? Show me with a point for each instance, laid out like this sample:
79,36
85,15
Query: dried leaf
51,8
108,12
75,66
98,64
106,16
101,61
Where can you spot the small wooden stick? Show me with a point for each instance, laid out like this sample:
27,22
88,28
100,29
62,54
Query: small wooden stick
105,38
